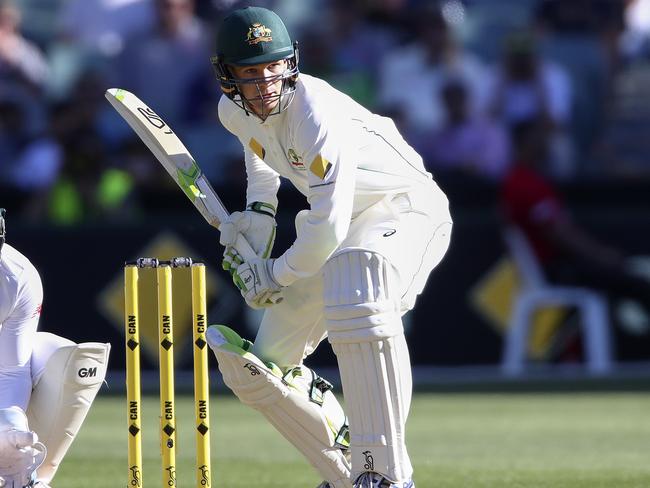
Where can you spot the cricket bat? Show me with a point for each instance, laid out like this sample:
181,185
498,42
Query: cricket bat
176,159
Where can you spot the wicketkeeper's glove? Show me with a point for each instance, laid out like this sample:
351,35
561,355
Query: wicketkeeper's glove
20,452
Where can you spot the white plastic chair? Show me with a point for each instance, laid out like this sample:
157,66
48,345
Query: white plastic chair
536,293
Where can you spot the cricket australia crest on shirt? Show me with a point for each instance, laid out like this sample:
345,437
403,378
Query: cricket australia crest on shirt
295,160
258,33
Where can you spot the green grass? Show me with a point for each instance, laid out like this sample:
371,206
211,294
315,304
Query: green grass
455,441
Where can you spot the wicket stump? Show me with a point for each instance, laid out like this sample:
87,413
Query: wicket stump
166,366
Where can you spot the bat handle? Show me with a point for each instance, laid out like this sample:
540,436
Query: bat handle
244,248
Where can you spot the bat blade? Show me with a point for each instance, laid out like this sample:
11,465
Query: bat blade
170,152
175,158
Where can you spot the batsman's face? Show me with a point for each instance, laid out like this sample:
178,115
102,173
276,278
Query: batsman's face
263,86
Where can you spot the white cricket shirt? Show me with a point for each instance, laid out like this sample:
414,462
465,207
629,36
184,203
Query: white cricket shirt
21,295
337,153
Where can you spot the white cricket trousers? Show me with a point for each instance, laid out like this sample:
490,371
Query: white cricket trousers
412,231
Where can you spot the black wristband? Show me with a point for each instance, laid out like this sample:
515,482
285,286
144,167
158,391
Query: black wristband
262,208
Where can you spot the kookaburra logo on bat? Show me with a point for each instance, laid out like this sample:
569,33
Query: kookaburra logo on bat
154,119
252,368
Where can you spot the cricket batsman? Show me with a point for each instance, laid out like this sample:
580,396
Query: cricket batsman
47,383
377,224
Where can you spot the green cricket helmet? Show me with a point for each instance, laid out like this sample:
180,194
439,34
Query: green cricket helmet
250,36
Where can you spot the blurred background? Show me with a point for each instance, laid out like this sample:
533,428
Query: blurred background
478,87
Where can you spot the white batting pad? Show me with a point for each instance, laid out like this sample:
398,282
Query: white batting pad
45,344
298,403
361,297
62,398
362,312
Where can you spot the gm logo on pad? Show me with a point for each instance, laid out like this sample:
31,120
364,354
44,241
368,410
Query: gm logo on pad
87,372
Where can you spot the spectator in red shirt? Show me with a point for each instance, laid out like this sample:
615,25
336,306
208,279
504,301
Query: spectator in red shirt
567,253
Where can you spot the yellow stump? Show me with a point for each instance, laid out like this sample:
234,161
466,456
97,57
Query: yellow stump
201,382
134,415
166,352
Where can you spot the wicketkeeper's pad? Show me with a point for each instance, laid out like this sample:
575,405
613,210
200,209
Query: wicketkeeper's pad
62,398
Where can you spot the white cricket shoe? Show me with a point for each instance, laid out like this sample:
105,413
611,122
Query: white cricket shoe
376,480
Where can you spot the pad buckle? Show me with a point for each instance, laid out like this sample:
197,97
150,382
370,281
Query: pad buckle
319,386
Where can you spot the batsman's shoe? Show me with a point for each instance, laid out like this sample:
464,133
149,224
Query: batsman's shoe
376,480
338,484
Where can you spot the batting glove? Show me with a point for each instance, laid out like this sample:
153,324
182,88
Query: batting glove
256,224
231,261
256,283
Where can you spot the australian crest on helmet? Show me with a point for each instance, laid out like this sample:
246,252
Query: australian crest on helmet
258,33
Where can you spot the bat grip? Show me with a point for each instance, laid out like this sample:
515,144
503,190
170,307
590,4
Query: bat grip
244,248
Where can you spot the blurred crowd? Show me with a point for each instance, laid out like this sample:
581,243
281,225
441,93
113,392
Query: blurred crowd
459,77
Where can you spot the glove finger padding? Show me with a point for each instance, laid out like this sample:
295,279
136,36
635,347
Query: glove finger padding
266,300
231,261
255,280
21,439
